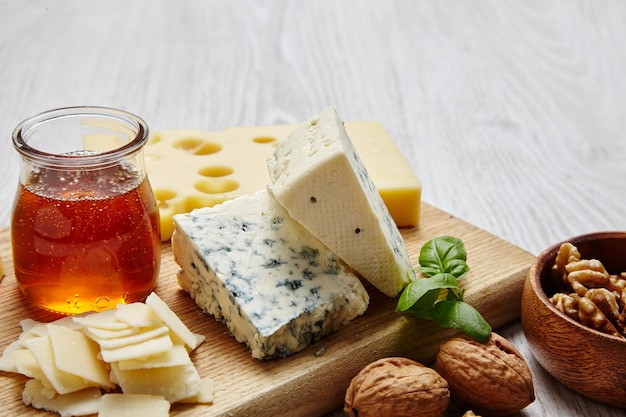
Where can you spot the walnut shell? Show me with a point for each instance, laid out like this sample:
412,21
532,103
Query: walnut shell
397,387
492,377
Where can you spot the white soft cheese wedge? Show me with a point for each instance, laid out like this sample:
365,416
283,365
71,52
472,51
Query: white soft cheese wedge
317,175
275,286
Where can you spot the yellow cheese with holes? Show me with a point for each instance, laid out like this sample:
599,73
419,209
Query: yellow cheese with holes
191,168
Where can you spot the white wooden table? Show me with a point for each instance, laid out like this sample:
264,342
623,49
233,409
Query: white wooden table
512,114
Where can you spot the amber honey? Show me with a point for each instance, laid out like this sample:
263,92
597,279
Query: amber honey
85,240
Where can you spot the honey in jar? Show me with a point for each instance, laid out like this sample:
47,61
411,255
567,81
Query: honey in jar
85,226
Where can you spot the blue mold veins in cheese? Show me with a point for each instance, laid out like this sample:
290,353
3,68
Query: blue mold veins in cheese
278,266
275,286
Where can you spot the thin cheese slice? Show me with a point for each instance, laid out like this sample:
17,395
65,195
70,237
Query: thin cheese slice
137,315
63,382
177,356
174,383
145,335
26,364
28,324
100,334
173,321
103,320
133,405
205,395
7,362
80,403
76,354
141,350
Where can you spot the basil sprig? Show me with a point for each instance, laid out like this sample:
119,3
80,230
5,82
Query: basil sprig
437,296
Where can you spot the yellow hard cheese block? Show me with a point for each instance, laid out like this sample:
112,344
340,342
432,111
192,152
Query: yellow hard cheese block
191,168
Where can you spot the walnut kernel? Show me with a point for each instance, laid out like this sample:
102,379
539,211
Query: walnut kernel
598,299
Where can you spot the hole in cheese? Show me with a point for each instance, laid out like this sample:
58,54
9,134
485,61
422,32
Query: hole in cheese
264,139
187,144
163,196
202,200
208,149
197,146
154,139
215,171
216,186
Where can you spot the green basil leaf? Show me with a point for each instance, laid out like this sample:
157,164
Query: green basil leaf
444,254
425,314
426,301
462,316
455,295
422,291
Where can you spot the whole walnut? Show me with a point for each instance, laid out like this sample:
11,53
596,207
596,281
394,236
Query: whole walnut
397,387
492,377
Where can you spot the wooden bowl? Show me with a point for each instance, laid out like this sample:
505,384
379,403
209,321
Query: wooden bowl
585,360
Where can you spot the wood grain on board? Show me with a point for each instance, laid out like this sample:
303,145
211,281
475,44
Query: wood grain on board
246,386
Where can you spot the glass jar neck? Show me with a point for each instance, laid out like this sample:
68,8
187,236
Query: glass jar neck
81,138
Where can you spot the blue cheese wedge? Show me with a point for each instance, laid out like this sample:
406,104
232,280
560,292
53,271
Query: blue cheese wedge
317,175
275,286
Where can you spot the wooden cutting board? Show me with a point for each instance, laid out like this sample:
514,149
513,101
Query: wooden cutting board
312,382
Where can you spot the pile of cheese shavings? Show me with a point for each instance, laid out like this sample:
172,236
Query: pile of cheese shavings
78,365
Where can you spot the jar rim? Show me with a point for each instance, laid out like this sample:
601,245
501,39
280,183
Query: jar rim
135,144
